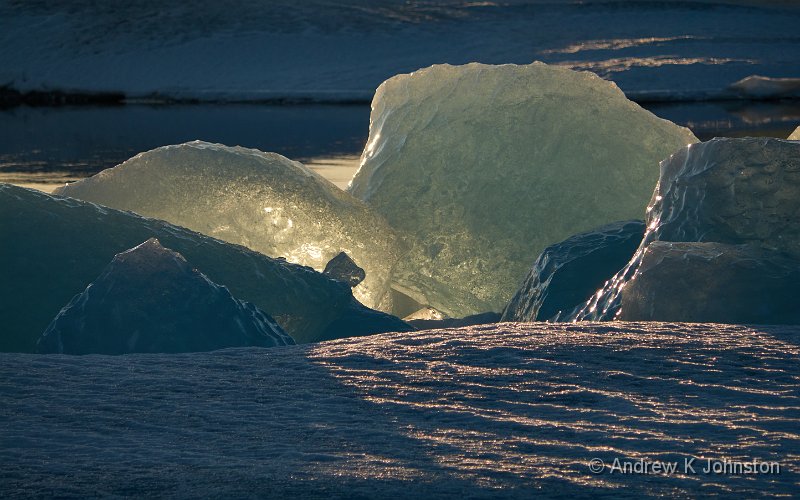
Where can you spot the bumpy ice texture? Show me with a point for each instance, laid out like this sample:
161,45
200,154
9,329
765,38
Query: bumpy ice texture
566,274
149,299
54,247
481,167
714,283
263,201
729,191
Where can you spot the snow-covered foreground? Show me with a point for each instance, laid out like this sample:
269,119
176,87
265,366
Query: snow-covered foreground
508,410
343,49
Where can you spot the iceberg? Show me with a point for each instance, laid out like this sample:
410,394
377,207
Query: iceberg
566,274
481,167
263,201
149,299
724,191
54,247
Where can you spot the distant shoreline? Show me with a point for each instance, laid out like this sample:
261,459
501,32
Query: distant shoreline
11,97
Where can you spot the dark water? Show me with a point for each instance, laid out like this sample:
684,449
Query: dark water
48,146
51,145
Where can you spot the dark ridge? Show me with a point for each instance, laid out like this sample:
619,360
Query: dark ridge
10,97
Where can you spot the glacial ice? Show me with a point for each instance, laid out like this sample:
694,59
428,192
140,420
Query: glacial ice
263,201
150,299
713,283
724,191
54,247
481,167
566,274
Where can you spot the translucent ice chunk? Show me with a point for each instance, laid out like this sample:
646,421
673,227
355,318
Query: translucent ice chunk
149,299
729,191
481,167
260,200
53,247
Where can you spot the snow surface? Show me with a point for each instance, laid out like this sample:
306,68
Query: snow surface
508,410
342,49
481,167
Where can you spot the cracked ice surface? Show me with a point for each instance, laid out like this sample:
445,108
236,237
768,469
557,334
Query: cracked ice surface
263,201
503,411
484,166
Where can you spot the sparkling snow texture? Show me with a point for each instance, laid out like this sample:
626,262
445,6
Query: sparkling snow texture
149,299
263,201
507,411
725,191
483,166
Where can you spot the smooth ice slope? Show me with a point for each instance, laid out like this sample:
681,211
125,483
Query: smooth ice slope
263,201
484,166
149,299
507,411
53,247
730,191
714,283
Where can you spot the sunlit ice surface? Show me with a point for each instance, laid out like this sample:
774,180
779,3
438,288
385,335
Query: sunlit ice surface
508,410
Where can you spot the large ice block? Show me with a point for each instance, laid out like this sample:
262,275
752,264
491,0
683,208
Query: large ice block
481,167
729,191
53,247
150,299
263,201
